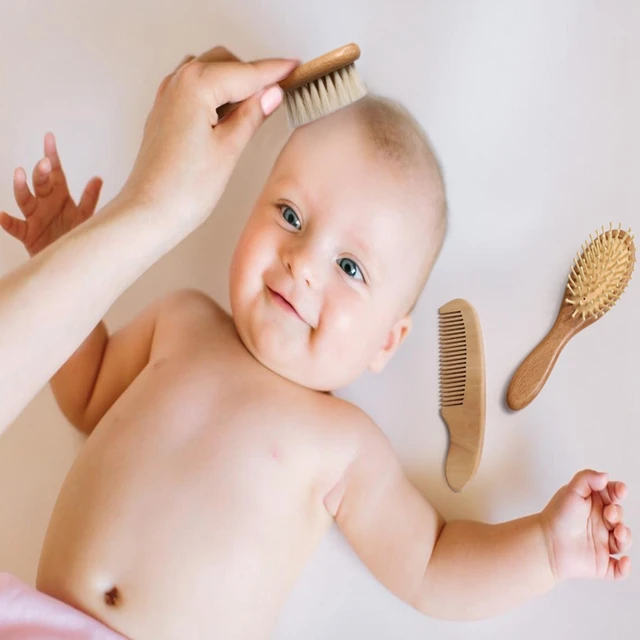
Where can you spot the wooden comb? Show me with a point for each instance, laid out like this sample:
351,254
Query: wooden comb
319,87
462,389
596,281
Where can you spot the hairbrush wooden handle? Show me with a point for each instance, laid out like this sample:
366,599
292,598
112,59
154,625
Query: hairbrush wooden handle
532,374
322,66
596,281
310,71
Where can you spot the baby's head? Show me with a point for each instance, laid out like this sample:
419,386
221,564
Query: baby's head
339,246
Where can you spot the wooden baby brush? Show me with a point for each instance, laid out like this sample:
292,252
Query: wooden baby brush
319,87
596,281
462,389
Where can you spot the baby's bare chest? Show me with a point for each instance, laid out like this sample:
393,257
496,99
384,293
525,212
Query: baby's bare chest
211,409
207,464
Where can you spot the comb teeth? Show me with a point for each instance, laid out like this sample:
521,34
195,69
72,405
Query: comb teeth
324,96
600,274
453,359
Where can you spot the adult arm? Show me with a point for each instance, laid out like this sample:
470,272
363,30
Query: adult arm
49,305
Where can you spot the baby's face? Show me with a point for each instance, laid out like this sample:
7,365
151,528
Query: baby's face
323,272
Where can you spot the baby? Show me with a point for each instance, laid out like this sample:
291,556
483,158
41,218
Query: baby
218,457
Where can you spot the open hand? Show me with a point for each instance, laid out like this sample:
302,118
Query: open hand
584,527
51,212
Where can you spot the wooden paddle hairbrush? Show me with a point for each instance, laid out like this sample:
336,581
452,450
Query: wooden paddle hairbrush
319,87
597,279
462,390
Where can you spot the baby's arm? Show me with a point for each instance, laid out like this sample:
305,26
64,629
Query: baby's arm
102,367
468,570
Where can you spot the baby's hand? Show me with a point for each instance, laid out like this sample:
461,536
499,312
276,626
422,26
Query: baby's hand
51,212
584,528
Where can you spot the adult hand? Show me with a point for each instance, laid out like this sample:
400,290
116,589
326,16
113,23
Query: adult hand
50,304
187,154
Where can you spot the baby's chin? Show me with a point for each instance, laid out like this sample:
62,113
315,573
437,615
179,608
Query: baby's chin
290,369
294,367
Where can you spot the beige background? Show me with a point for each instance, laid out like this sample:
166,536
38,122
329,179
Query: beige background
533,107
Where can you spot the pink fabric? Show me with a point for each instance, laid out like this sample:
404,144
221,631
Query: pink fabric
27,614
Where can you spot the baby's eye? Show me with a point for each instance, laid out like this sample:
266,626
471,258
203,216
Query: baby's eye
290,216
351,268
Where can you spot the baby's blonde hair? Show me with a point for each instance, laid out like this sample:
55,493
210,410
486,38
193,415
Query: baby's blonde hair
402,143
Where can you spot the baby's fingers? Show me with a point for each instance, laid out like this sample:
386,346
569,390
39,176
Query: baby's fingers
614,493
612,515
89,199
42,183
619,568
51,151
587,481
13,226
22,193
620,539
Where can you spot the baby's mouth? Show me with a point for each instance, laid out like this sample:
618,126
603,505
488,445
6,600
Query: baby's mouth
280,300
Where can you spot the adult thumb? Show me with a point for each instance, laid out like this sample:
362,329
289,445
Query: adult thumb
237,129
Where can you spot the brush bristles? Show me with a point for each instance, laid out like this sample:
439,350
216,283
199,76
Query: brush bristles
324,96
453,359
601,273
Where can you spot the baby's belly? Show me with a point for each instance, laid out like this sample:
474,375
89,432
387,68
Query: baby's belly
171,525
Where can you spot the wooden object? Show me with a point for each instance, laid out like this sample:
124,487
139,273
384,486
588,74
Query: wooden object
339,61
462,389
597,279
320,67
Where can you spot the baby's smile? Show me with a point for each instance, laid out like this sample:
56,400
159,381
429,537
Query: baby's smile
282,302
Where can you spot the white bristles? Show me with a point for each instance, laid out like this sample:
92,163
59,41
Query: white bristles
324,96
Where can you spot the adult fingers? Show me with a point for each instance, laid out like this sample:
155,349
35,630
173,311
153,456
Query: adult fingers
238,127
236,81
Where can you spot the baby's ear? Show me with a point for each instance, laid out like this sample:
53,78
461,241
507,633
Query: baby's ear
396,336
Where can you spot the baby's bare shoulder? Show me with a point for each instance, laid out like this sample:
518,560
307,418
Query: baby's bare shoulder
354,418
350,425
361,444
349,415
187,310
190,303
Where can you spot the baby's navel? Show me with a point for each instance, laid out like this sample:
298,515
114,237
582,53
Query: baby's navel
112,597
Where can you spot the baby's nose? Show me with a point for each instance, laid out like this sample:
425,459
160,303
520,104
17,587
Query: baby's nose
302,265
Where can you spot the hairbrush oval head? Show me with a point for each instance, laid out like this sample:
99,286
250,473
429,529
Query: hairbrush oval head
598,277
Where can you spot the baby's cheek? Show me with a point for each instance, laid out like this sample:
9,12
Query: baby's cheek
261,245
348,331
249,255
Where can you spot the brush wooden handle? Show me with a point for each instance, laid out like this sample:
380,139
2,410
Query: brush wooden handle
309,71
596,281
322,66
532,374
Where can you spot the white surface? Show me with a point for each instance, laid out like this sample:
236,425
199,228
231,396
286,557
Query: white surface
533,107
